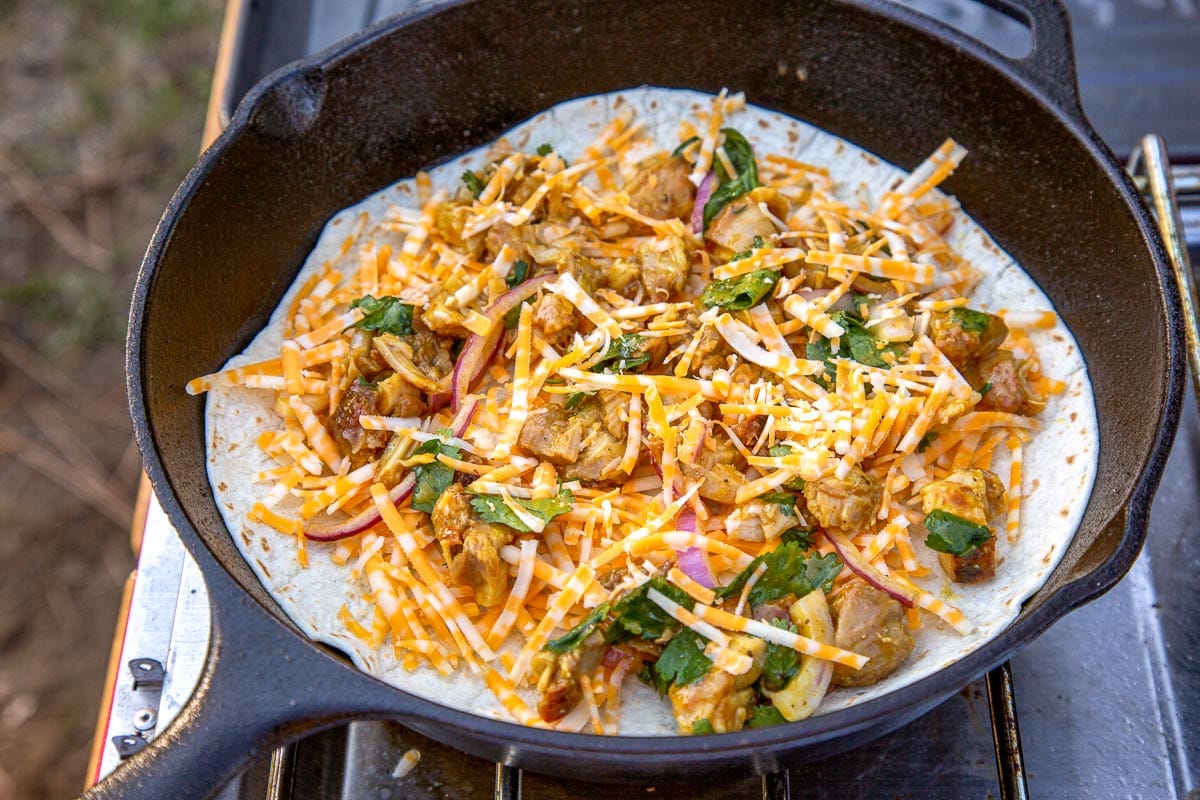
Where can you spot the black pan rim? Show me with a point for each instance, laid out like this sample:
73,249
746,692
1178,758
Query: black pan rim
747,743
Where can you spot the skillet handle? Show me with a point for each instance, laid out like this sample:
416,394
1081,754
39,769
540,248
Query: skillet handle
1050,65
262,686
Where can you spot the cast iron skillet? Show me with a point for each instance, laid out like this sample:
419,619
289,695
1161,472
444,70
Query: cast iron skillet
321,134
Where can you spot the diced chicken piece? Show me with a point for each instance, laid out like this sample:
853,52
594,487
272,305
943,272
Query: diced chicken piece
869,623
738,223
965,335
624,276
603,443
722,699
558,684
441,314
553,433
470,546
451,219
719,466
555,319
587,442
451,516
757,521
849,504
363,359
352,440
977,496
502,233
431,352
398,397
664,266
586,272
1007,387
661,188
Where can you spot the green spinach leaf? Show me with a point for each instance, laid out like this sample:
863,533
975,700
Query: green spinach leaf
741,155
788,573
764,716
473,183
742,292
971,320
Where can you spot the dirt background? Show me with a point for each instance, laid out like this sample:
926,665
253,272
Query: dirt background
101,110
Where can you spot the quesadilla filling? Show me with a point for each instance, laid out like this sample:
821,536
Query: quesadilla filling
663,410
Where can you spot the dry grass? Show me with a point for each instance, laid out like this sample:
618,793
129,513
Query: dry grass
101,110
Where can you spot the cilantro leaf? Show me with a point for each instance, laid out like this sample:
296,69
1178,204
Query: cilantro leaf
574,399
635,615
545,149
781,663
682,661
518,273
785,501
987,387
926,440
742,292
473,183
764,716
857,343
624,354
385,315
950,533
702,727
788,573
741,155
802,537
492,508
971,320
432,478
574,637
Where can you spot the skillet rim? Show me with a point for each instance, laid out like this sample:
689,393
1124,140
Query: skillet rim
927,691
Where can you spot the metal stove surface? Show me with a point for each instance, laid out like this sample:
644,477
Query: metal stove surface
1109,698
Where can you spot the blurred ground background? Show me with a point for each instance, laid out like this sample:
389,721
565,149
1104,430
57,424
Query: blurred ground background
101,110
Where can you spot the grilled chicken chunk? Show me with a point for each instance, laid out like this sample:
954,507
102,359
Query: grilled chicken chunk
849,504
757,521
738,223
966,336
471,546
977,496
555,319
661,188
587,442
664,267
719,466
352,440
558,676
868,622
1007,388
722,699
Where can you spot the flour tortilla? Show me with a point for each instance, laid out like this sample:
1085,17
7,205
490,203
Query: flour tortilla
1059,468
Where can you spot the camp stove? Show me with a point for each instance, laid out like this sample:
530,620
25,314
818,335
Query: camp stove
1108,700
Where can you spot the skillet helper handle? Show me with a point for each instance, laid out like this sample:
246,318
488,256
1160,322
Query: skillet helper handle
251,698
1050,65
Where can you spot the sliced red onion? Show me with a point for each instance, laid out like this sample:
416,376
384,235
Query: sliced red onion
687,522
613,656
703,193
462,420
439,401
319,530
479,350
693,564
854,561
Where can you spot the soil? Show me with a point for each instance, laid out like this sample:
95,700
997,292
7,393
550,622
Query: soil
101,111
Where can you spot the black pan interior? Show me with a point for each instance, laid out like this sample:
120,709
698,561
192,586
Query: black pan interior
322,137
